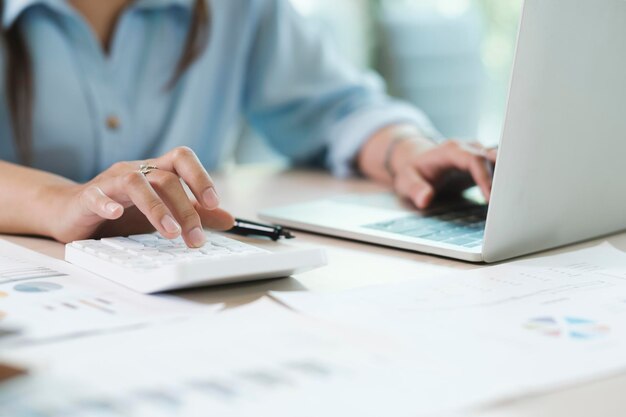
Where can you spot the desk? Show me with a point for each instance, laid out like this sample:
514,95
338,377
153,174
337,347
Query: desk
244,191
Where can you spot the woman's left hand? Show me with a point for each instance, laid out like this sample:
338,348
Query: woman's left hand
419,169
420,175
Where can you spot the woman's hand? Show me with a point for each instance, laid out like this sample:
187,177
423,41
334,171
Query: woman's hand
452,166
419,169
122,201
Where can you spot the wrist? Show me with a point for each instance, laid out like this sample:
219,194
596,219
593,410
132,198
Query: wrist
406,150
56,200
382,153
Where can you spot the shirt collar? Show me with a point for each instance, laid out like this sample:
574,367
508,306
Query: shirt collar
14,8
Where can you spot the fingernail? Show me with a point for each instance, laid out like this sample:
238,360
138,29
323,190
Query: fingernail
211,200
423,197
170,225
112,207
197,237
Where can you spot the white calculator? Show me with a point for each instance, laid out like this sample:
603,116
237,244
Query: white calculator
150,263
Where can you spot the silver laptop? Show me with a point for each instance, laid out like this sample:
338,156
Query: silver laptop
561,172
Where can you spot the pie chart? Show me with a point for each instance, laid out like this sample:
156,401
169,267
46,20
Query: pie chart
37,286
576,328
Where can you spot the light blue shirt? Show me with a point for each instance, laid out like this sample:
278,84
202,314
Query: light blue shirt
263,63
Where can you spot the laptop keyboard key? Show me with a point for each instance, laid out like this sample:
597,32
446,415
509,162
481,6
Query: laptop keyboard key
463,227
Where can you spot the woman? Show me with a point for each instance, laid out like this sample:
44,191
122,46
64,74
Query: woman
95,89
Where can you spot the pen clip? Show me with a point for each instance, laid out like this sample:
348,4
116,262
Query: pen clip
247,228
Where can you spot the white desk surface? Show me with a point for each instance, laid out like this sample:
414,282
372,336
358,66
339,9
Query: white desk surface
244,191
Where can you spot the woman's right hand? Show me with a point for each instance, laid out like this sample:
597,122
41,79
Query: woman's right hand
127,201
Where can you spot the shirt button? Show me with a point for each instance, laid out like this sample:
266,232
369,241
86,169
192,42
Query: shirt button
113,122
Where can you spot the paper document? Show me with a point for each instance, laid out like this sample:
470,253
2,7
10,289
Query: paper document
43,298
419,348
259,360
501,332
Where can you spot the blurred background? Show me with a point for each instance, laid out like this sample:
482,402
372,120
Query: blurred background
451,58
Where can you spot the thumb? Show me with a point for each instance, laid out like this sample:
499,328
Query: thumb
95,201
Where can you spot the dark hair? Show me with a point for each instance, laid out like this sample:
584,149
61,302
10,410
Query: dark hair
19,78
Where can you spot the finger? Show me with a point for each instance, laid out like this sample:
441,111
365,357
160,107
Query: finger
169,188
217,219
134,189
473,159
184,162
479,165
476,148
134,222
410,184
480,170
97,202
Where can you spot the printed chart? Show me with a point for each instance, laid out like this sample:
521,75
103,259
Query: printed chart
576,328
37,286
42,298
12,270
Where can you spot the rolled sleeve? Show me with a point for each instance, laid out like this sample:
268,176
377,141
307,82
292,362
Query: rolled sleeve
307,100
348,136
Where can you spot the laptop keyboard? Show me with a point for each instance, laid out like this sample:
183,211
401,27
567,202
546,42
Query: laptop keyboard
463,227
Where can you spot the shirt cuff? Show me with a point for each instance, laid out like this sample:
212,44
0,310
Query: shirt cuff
349,136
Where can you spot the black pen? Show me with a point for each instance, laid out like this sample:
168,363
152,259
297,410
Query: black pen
248,228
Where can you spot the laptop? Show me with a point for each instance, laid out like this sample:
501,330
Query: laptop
561,171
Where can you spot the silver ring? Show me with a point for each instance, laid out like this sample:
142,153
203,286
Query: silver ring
145,169
475,150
